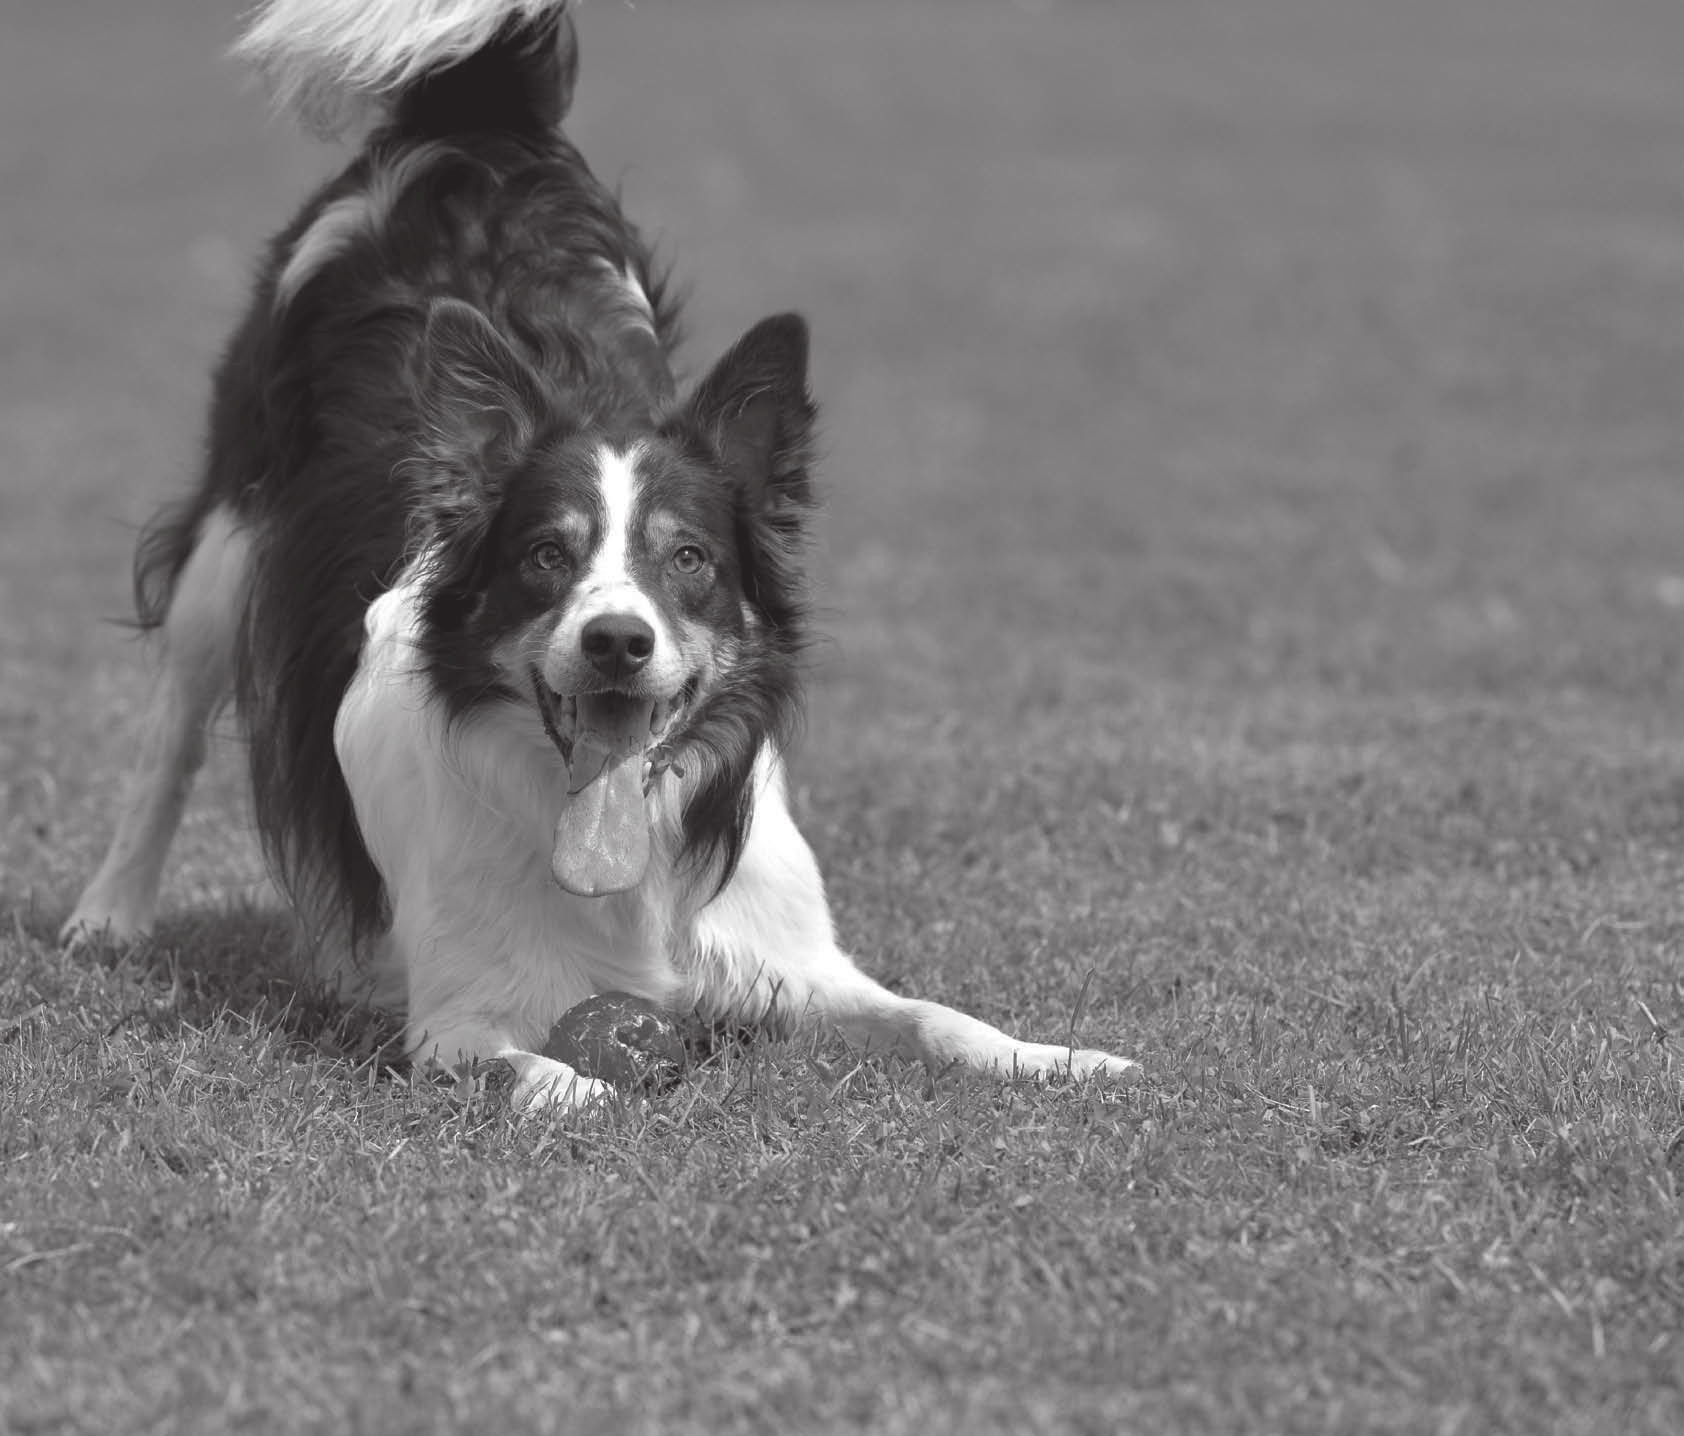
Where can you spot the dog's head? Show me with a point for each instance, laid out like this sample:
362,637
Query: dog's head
630,577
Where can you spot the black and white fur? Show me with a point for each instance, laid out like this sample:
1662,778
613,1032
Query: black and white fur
450,483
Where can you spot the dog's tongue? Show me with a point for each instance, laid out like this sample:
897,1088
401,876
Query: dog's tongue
602,835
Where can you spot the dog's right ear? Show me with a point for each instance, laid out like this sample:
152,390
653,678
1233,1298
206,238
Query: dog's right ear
754,413
480,403
752,418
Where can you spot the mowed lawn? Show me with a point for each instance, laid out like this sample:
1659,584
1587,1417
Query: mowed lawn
1254,580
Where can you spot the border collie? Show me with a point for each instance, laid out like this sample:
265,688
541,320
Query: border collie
513,628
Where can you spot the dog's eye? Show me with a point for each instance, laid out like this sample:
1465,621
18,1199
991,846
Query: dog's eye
547,555
689,559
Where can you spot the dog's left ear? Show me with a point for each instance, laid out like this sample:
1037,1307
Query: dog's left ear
754,413
480,406
480,402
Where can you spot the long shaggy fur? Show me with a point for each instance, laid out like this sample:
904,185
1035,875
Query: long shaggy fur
323,384
454,502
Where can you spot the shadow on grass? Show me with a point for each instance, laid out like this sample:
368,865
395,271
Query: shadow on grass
241,963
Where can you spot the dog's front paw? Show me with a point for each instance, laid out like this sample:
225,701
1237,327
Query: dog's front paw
1104,1066
1044,1060
541,1084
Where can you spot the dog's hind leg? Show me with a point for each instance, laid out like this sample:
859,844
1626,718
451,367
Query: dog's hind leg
764,952
194,675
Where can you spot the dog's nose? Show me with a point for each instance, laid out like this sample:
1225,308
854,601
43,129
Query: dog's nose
617,644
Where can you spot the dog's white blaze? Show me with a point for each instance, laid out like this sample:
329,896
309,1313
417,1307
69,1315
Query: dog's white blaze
616,480
608,586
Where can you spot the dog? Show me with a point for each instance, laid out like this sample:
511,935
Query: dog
513,628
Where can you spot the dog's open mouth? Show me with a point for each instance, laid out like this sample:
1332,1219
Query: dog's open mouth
609,741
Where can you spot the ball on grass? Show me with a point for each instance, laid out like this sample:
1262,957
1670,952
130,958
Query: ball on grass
618,1038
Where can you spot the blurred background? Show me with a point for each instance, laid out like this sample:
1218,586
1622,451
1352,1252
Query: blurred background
1215,393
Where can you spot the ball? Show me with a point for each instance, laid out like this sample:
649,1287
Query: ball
621,1039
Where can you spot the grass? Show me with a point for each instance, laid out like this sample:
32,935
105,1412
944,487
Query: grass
1254,570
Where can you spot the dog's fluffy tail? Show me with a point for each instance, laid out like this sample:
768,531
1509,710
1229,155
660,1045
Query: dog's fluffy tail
431,66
